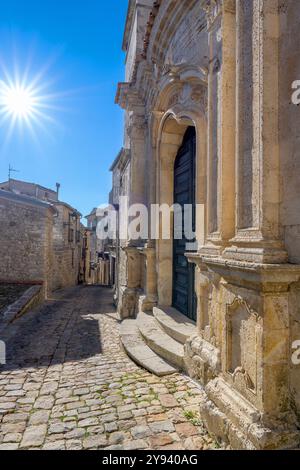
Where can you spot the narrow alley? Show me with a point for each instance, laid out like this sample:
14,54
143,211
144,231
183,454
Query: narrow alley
68,384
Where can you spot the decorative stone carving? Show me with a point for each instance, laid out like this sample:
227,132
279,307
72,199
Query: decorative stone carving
213,8
202,359
187,96
241,343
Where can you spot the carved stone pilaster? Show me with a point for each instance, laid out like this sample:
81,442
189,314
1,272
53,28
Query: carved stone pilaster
137,126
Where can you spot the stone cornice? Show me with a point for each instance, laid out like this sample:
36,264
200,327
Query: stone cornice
128,98
263,277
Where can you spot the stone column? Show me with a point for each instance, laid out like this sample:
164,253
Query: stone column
221,125
130,258
149,299
258,236
136,131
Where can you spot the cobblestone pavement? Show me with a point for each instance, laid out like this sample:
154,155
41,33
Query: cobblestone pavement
69,385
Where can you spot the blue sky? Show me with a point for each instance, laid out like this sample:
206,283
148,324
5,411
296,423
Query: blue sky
75,47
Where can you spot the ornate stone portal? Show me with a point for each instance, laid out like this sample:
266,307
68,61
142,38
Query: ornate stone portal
217,65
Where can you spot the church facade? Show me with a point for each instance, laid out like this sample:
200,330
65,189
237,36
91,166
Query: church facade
211,122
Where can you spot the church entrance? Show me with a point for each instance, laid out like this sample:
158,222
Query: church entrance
184,297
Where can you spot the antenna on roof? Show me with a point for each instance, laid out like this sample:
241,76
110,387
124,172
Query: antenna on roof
10,171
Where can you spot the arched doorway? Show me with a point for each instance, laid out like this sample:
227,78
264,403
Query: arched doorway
183,294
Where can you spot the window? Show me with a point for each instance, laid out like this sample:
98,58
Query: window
71,235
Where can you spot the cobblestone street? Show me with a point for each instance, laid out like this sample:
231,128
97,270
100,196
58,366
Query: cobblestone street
68,385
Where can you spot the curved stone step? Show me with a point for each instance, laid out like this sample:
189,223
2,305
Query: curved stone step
137,349
174,323
158,340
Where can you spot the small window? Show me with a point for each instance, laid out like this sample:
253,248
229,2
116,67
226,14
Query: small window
71,235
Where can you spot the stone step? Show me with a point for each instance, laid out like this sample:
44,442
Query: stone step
139,351
176,325
159,341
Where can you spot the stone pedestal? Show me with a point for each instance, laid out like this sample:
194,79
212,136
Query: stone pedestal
148,299
243,354
130,291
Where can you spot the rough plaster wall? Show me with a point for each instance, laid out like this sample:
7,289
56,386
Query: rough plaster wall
23,241
290,126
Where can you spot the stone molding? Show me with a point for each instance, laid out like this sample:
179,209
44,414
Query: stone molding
256,276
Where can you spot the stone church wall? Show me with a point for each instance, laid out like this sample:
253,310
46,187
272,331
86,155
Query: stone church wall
225,67
290,126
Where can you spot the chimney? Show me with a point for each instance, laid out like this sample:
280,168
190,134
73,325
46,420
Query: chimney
57,190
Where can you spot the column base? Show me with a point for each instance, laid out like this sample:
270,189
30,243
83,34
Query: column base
128,302
146,303
235,421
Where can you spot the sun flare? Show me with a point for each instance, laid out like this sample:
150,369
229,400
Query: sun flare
26,104
18,101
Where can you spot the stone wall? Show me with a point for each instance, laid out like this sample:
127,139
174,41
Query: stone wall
25,239
35,243
67,249
289,126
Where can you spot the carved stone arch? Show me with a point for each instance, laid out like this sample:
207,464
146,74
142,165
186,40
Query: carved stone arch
179,104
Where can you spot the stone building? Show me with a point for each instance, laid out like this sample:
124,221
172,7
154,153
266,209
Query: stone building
86,275
31,189
67,246
25,239
103,260
210,121
40,237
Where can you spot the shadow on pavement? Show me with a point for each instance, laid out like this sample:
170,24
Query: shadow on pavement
60,330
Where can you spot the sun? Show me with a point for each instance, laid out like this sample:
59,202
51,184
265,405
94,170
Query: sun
30,103
26,104
18,101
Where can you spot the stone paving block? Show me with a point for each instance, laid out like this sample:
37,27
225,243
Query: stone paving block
34,436
89,399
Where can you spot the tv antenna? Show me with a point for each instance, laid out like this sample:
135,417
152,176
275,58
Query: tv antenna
10,171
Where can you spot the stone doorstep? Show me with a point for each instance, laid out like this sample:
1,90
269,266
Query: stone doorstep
175,324
159,341
139,352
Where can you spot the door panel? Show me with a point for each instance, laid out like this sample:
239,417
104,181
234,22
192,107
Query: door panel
184,298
